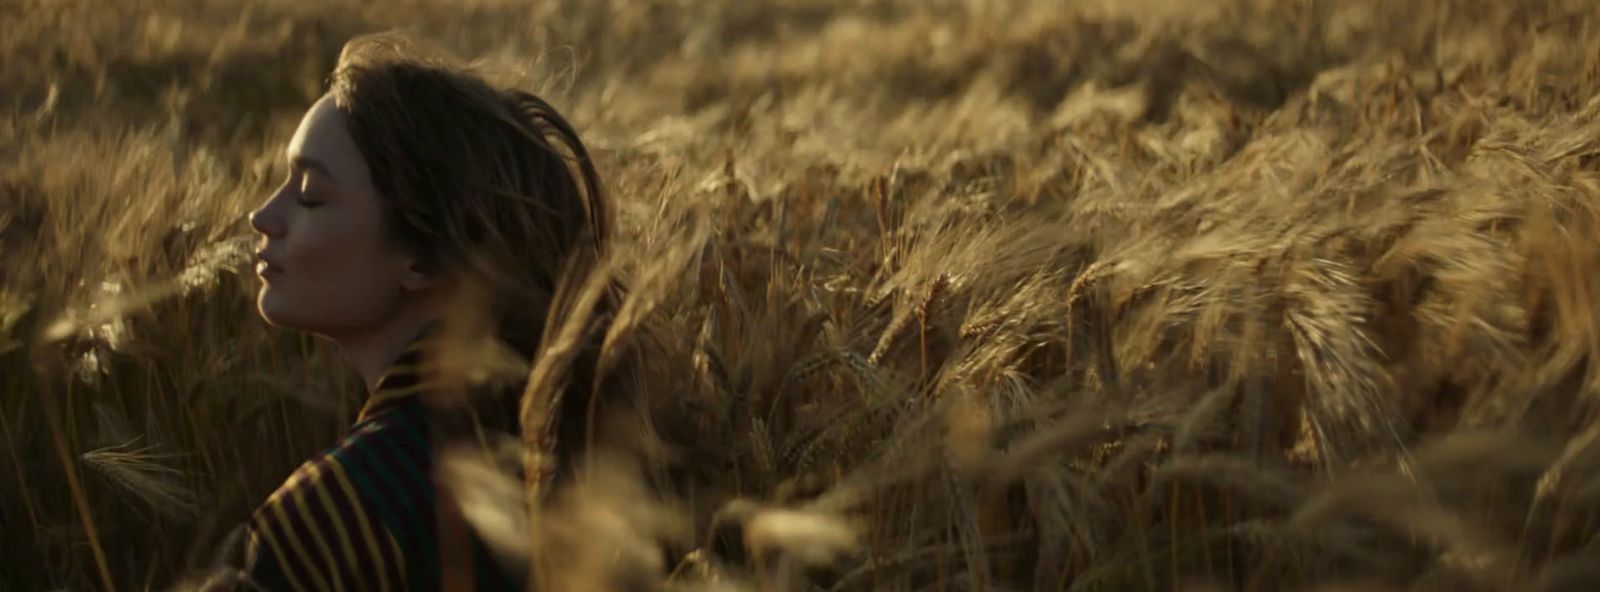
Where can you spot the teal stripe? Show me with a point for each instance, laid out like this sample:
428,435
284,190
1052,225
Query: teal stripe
266,570
422,559
382,490
490,576
394,486
371,480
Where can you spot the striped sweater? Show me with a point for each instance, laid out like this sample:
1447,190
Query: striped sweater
364,514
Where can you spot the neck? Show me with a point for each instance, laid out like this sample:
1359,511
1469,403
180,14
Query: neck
372,351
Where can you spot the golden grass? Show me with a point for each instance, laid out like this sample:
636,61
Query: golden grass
933,294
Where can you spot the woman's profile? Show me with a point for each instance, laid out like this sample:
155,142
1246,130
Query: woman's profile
408,181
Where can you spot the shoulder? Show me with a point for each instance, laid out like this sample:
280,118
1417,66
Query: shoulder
352,513
382,465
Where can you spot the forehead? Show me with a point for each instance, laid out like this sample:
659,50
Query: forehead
324,137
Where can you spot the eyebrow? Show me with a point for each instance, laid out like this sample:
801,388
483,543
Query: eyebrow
306,162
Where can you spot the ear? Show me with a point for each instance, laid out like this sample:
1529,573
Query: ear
418,276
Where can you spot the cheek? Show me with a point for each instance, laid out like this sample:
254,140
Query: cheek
335,278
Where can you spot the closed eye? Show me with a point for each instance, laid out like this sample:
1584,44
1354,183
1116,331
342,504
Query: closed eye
308,194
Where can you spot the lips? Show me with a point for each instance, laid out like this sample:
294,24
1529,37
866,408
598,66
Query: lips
265,265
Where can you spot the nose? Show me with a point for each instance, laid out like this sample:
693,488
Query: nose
266,220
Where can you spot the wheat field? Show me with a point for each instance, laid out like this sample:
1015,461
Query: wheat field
932,294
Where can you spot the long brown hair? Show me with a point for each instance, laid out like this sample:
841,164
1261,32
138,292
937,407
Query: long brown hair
489,184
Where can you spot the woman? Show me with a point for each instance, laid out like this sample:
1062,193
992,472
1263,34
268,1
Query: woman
411,184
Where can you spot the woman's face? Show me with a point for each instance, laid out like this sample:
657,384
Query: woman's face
327,263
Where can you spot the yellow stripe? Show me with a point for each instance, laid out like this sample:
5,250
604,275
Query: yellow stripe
399,557
338,527
367,533
278,555
394,393
290,484
399,369
298,548
304,508
417,349
387,395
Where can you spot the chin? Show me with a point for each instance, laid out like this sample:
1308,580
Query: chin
271,309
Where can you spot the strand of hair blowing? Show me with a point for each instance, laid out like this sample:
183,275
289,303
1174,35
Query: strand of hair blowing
565,367
584,300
